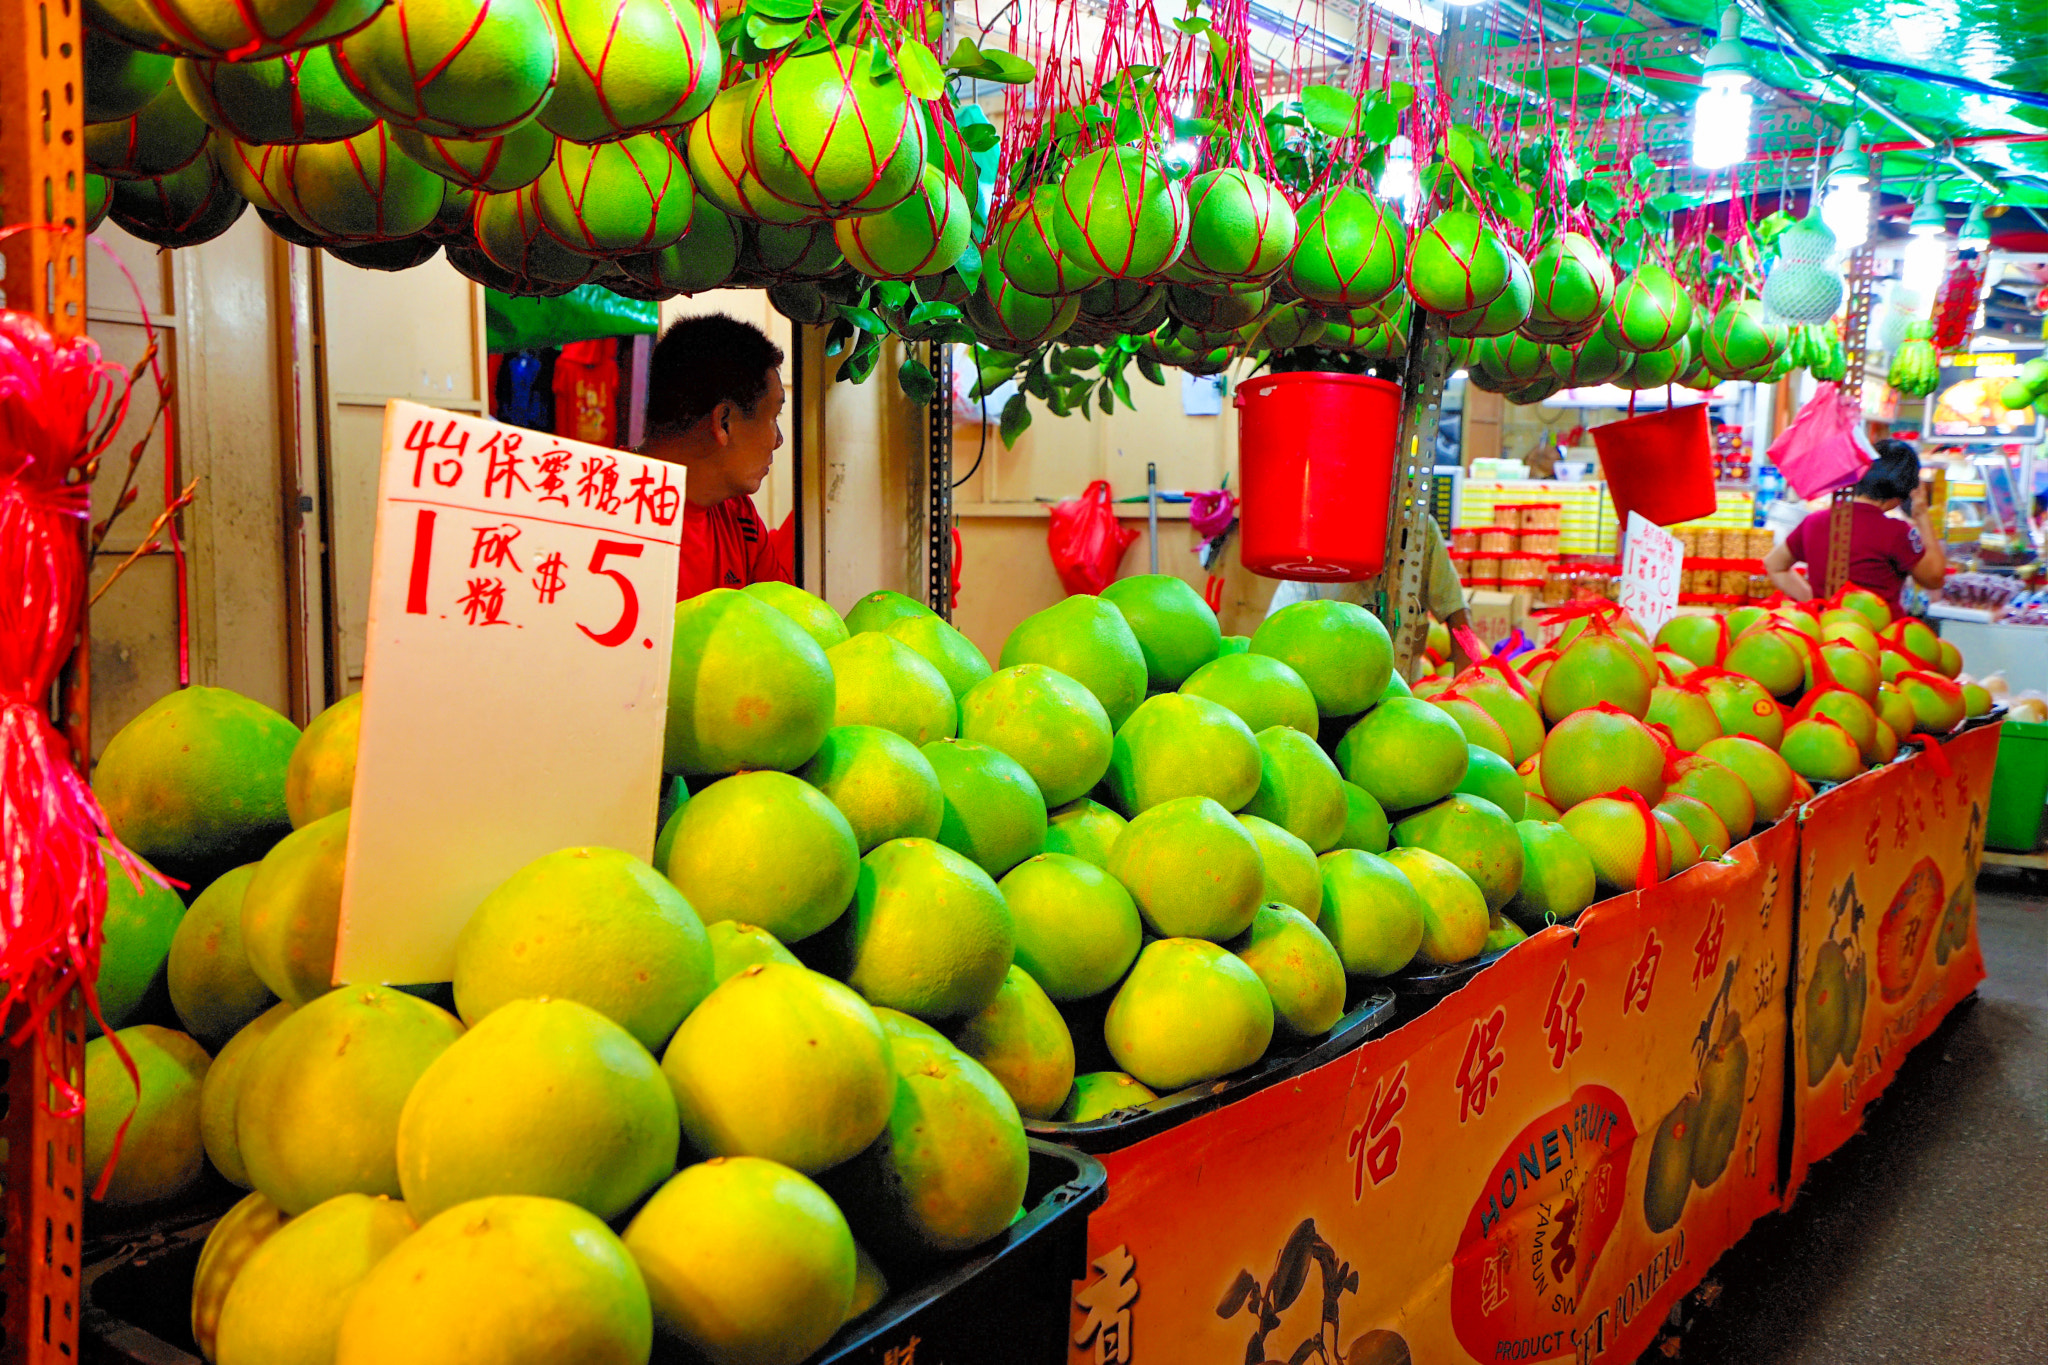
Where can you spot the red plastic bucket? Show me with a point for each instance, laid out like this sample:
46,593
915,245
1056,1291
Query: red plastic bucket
1660,464
1315,455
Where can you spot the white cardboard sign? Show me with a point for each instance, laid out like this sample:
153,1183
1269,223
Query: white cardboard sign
522,595
1650,570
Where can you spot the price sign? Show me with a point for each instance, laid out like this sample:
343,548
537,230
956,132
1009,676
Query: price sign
515,685
1650,571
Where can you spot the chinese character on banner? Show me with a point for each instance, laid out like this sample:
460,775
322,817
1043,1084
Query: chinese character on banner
1651,565
1563,1255
484,603
598,483
1375,1147
1476,1079
1902,828
551,466
659,504
1496,1273
1706,950
1106,1301
493,548
906,1354
1871,839
423,439
502,476
1635,994
1562,1020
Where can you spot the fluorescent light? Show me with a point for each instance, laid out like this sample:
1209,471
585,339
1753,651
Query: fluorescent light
1845,204
1397,181
1720,117
1976,233
1921,275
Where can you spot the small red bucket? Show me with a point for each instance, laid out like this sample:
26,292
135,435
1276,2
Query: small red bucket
1660,464
1315,455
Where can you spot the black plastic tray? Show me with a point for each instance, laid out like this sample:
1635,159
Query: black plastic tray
1420,985
1123,1127
1007,1305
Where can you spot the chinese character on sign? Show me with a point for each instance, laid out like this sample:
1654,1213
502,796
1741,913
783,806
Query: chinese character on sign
551,466
423,440
493,548
547,579
1476,1078
1496,1272
598,483
1706,950
484,603
502,475
660,504
1902,828
1106,1301
1635,993
1870,838
1375,1147
1563,1254
1562,1020
906,1354
1940,806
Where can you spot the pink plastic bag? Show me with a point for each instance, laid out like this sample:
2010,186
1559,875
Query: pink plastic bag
1087,542
1825,448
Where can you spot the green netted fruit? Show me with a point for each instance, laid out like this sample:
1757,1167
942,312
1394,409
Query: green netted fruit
703,258
490,165
296,98
1739,339
509,233
1240,226
119,79
1286,327
191,205
99,197
1351,250
926,234
1216,307
1655,369
1456,264
1026,248
778,252
628,66
1574,284
454,68
1515,360
618,198
1593,361
160,137
1508,311
1010,319
364,189
1120,215
1651,311
824,134
716,149
243,31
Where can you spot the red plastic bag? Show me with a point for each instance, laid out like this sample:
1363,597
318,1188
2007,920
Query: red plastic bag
1825,448
1087,542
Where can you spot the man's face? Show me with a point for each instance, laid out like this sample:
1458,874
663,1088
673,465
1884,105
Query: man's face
751,442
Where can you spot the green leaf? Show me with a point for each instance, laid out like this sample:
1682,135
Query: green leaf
1006,68
1193,25
1330,111
1122,387
1378,120
1196,127
861,363
935,311
1107,396
965,57
922,76
861,318
1603,201
1402,94
1082,358
980,137
1016,419
917,382
1149,367
1671,201
1642,168
1575,193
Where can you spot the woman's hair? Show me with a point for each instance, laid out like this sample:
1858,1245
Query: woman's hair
1895,473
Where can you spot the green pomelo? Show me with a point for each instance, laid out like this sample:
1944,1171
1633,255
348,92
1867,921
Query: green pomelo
736,947
628,68
213,988
1454,908
1847,710
1916,639
1189,1012
820,134
164,136
1493,779
1299,790
1976,700
1557,876
234,1239
1099,1093
470,1286
1574,282
1770,658
1351,249
1174,746
716,150
459,68
299,97
1518,714
1820,750
1867,604
291,910
509,235
141,927
1696,638
1473,835
1741,619
1299,968
198,780
1508,310
1456,264
882,682
1537,806
363,190
1851,668
929,934
1087,639
1405,753
1745,708
1895,710
780,1062
1050,725
870,1285
590,925
119,79
1365,822
1503,936
162,1154
1027,252
944,648
1120,214
1685,850
1372,913
1885,743
1009,319
1738,339
813,615
1718,787
1651,310
1293,878
1481,730
1240,227
926,234
1614,833
1688,715
1235,644
994,814
492,165
1593,669
1340,650
1586,363
1192,869
1590,753
1263,692
220,1097
286,1303
1077,930
1085,829
883,608
1023,1042
1937,703
1767,776
747,688
1705,827
766,848
745,1261
881,782
321,776
1176,631
318,1110
193,204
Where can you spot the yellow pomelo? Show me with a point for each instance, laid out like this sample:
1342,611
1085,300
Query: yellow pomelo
1176,630
592,925
221,1094
1340,650
1851,668
1086,829
994,812
1176,746
1821,750
783,1063
1557,876
213,988
1895,709
1299,790
1599,750
736,947
1102,1092
511,1280
1848,626
959,662
291,910
1686,714
883,608
1365,823
1847,710
1770,658
1685,850
1052,727
1520,717
813,615
1023,1042
882,682
198,780
1744,707
747,688
1087,639
321,777
1371,913
285,1307
746,1262
1189,1012
1293,877
320,1100
1192,869
1405,753
1727,795
881,783
1766,775
1482,731
1077,929
1951,661
1595,668
1492,778
1614,833
1454,914
234,1239
1262,690
1696,639
1709,835
162,1154
929,933
1299,969
1473,835
870,1285
141,925
766,848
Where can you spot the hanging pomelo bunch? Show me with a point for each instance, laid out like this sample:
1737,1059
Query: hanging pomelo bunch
716,149
1535,391
155,140
99,197
244,30
1286,327
777,253
490,165
1651,310
1217,308
248,168
825,134
1351,250
1010,319
299,97
1514,359
629,66
1456,263
1131,306
1118,213
360,190
1026,249
1508,311
1574,284
403,254
1596,360
1185,349
192,204
1802,287
1739,340
508,231
120,79
616,198
471,263
1240,227
926,234
451,222
453,68
1655,369
1383,340
703,258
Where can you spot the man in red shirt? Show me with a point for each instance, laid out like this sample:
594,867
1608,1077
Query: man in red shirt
714,404
1884,551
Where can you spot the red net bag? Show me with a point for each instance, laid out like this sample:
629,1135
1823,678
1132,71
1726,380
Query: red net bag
1086,541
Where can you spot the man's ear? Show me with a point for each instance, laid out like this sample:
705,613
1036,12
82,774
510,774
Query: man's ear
721,422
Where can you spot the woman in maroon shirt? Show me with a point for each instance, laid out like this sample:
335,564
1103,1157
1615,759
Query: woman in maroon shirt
1884,551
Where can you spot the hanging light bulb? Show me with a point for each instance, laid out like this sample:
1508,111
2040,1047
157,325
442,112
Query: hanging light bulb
1397,181
1926,248
1976,233
1845,203
1720,118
